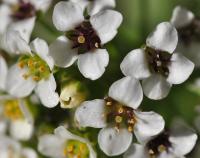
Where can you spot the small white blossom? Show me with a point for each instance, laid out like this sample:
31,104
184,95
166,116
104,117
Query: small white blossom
176,143
64,144
10,148
33,72
95,6
84,38
188,26
20,15
156,64
118,117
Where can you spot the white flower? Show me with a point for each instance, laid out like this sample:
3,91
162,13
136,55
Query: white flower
10,148
95,6
118,117
64,144
156,64
16,116
20,15
175,143
188,28
33,72
84,38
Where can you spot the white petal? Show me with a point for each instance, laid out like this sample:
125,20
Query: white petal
127,91
51,145
46,92
114,143
40,47
105,23
92,64
91,114
42,5
3,126
3,73
136,151
29,153
67,15
156,87
96,6
12,42
21,130
164,38
135,64
16,85
62,52
82,3
177,64
191,51
5,12
148,124
181,17
24,27
183,138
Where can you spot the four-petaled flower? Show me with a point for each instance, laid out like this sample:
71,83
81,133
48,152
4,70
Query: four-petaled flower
64,144
188,27
83,38
118,117
156,64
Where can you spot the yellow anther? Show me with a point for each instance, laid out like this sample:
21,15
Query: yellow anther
81,39
25,76
131,121
36,78
151,152
130,128
97,45
30,63
108,103
120,110
70,148
21,64
161,148
42,69
118,119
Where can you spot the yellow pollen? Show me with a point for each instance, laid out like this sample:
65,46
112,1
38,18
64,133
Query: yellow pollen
120,110
12,110
30,63
109,103
151,152
81,39
70,148
130,128
161,148
36,78
42,68
118,119
131,121
25,76
21,64
96,45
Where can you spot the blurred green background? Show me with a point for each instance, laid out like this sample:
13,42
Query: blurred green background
140,18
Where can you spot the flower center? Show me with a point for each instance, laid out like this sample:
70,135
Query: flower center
76,149
190,32
120,115
84,38
36,67
12,110
158,61
23,10
159,144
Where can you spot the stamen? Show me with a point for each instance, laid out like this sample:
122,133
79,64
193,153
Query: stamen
81,39
161,148
118,119
130,128
120,110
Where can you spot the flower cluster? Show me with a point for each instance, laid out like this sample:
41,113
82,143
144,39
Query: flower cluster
36,72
